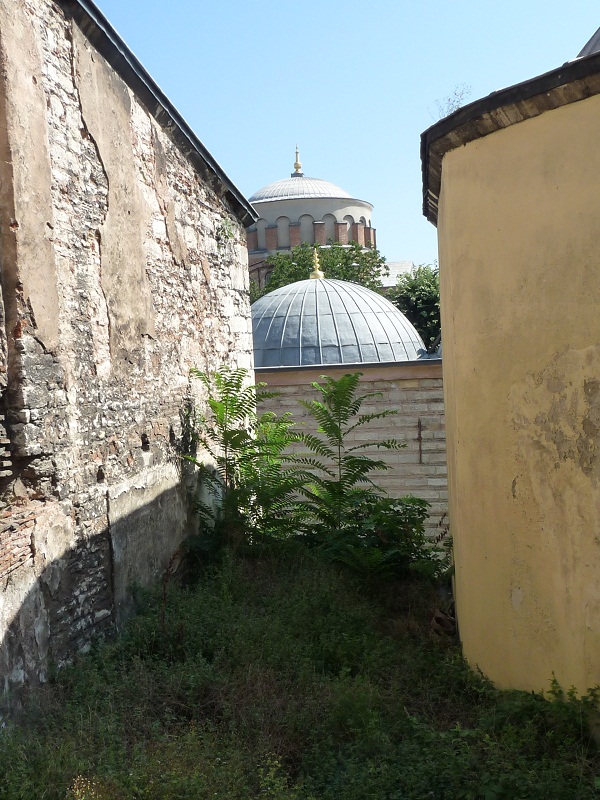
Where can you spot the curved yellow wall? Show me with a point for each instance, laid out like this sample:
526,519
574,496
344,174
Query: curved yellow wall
519,238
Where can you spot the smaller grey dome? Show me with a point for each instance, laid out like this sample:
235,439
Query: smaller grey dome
321,321
298,187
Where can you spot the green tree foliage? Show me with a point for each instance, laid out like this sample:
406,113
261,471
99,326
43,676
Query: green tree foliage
345,263
240,462
417,295
351,518
341,478
258,491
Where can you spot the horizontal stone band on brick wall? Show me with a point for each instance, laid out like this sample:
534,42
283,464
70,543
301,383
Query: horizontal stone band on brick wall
415,392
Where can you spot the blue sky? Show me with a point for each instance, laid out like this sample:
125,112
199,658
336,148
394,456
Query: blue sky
353,83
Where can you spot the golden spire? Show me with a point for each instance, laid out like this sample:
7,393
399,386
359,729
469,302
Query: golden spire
316,273
297,164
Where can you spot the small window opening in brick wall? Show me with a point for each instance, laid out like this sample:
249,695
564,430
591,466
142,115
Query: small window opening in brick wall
145,442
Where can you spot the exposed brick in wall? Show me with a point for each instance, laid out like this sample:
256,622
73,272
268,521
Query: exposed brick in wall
341,232
271,237
358,233
252,240
295,238
415,391
256,258
16,528
319,232
148,267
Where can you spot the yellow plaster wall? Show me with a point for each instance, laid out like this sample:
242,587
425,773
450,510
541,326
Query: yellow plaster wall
519,225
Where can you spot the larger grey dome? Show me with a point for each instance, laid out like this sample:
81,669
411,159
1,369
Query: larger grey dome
298,187
322,321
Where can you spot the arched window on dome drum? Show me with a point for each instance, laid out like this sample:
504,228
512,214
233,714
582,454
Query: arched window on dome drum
349,220
307,231
363,220
283,232
261,224
329,221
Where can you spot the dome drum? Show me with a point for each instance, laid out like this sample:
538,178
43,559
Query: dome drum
299,210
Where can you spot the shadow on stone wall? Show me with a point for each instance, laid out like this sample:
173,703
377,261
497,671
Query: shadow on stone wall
51,611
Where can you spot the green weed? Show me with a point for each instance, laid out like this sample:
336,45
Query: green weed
281,677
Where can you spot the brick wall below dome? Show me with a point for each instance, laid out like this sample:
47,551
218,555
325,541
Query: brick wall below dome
272,239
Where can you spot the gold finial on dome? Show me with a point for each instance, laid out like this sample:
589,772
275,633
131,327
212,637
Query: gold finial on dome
297,164
316,273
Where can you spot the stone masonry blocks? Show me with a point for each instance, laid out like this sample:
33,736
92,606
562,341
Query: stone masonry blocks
146,272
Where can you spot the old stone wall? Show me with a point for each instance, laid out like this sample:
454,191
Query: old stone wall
122,266
415,392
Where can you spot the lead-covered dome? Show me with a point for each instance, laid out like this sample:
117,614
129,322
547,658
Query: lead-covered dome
298,187
322,321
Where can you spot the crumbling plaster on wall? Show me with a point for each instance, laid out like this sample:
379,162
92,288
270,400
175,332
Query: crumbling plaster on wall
521,407
121,269
47,532
556,420
28,225
107,113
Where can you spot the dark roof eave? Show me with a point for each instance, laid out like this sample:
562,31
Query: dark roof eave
574,81
110,45
431,359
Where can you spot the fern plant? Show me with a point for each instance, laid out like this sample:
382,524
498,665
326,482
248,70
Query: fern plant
250,493
341,478
352,519
255,490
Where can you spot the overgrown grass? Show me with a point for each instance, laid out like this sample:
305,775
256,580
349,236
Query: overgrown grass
278,677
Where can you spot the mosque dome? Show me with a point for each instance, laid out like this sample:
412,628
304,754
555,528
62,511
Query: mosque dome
299,187
299,210
321,321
